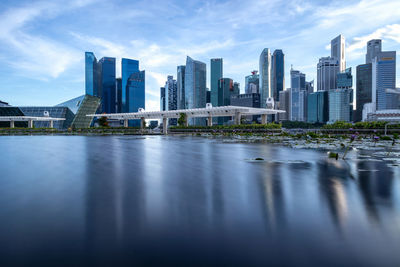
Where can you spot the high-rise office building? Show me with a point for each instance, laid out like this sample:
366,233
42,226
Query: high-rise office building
226,89
107,92
163,106
344,80
278,73
338,51
195,87
317,107
364,88
384,80
180,79
310,87
118,88
128,67
216,73
374,47
91,78
327,70
298,96
265,76
247,100
339,105
252,83
171,96
135,92
284,104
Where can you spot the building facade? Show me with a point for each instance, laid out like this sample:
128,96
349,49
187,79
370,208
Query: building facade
278,73
327,70
339,105
364,88
107,92
284,104
163,106
247,100
171,95
195,87
338,51
180,79
265,76
216,73
91,74
374,47
128,67
135,89
384,78
298,96
318,107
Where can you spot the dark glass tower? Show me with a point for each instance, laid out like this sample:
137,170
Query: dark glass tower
162,99
128,67
90,74
135,92
118,88
195,87
278,73
106,67
181,86
216,70
364,88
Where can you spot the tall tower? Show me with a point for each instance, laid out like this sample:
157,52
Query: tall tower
278,73
374,47
180,79
195,87
128,67
216,69
265,76
338,51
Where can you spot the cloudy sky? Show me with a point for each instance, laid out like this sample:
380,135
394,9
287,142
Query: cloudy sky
42,43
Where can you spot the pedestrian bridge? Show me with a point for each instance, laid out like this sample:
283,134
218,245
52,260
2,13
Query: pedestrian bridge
29,119
207,112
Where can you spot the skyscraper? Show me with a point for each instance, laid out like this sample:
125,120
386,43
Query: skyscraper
226,90
128,67
364,88
90,74
163,106
265,76
344,80
374,47
106,88
298,96
327,70
278,73
317,107
384,80
135,93
118,88
284,104
216,70
180,79
338,51
195,87
171,95
252,83
339,105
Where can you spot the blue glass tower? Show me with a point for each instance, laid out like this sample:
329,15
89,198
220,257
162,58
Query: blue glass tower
195,87
106,67
90,74
135,93
180,79
128,67
278,73
216,69
118,88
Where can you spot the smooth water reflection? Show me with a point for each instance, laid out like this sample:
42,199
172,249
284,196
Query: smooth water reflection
192,201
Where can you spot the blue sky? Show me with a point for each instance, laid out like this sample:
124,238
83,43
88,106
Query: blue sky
42,43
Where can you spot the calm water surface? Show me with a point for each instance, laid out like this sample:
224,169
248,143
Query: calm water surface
158,200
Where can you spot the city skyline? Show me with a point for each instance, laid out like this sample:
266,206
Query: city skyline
44,67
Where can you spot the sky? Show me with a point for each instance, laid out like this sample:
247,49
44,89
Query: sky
42,43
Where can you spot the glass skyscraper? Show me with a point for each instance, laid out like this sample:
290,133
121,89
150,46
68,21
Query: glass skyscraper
128,67
364,88
91,78
278,73
327,70
195,87
344,79
317,107
118,88
135,93
384,79
374,47
163,106
171,96
338,51
226,89
216,70
339,105
252,83
298,96
181,86
265,76
106,67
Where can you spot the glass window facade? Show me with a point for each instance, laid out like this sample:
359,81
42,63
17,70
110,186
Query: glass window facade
339,105
265,76
344,80
252,83
106,67
128,67
12,111
327,70
278,73
317,107
195,87
91,78
181,86
216,69
136,94
72,104
385,67
54,112
163,107
364,88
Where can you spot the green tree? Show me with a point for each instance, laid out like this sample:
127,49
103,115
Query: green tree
103,122
182,119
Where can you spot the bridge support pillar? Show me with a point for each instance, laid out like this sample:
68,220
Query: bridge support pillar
165,125
209,121
187,121
12,124
237,118
30,123
51,124
126,123
263,118
142,123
